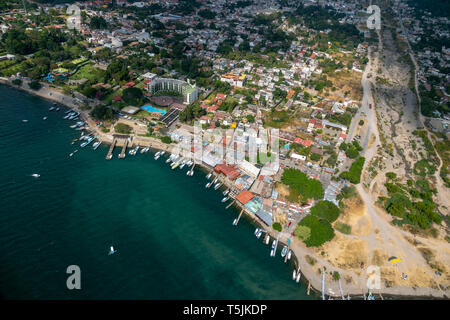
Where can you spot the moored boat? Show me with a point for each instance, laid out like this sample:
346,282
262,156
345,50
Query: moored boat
225,199
217,186
284,251
294,274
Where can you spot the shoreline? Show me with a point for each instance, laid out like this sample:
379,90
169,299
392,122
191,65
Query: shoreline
298,249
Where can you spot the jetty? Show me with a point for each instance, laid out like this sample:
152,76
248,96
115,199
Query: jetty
124,149
340,289
240,214
323,284
111,148
229,205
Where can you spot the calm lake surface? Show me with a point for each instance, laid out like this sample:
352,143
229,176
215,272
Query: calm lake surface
174,238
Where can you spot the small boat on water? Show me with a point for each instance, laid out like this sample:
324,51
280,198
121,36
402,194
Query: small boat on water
209,175
111,251
24,120
109,156
208,185
57,109
226,192
51,109
289,254
284,251
169,159
157,155
215,180
256,231
294,274
96,145
299,274
274,243
272,253
175,165
217,186
267,239
259,234
163,152
44,118
36,175
225,199
234,222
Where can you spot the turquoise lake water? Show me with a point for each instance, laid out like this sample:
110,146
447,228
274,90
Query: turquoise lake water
174,238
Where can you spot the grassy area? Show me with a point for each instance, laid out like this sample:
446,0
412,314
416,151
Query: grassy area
89,72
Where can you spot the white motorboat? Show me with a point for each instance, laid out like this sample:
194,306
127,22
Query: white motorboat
294,274
36,175
111,251
284,251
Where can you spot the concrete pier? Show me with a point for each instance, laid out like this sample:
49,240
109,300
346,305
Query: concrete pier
124,149
111,148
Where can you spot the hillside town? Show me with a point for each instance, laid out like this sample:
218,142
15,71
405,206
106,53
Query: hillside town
268,95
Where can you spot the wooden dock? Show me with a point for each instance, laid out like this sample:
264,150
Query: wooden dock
287,252
111,148
229,205
124,149
240,214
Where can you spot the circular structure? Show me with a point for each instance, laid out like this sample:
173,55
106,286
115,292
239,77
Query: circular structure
187,90
163,101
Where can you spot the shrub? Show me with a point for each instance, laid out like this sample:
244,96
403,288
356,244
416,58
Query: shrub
391,175
321,231
166,139
326,210
277,226
354,174
122,128
302,232
35,85
17,82
308,188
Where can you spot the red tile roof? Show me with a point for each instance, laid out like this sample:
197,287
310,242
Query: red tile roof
244,196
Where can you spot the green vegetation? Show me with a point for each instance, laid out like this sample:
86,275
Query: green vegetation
132,96
166,139
98,23
17,82
191,112
321,231
122,128
354,174
302,232
326,210
306,187
35,85
277,226
347,192
102,112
